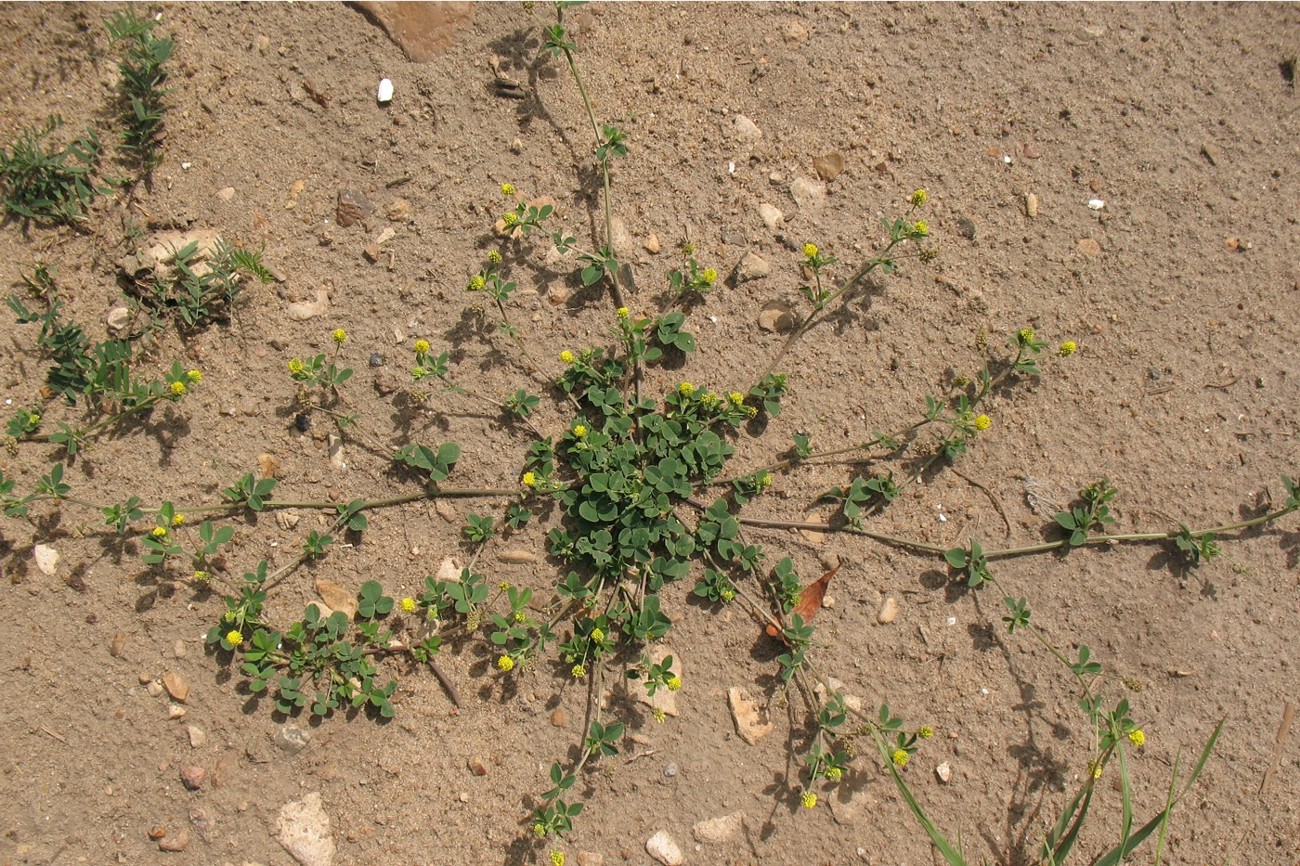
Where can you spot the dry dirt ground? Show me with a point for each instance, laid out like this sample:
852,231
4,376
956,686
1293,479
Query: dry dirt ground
1181,292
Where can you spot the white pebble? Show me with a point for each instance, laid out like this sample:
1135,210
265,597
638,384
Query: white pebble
385,94
1096,204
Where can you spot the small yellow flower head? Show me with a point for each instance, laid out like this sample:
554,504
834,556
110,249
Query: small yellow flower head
503,585
194,376
202,577
296,366
228,616
982,422
834,774
727,594
900,757
421,347
1096,771
686,389
659,715
921,227
178,520
597,635
408,605
510,218
674,683
159,532
506,664
1137,736
623,312
508,190
688,248
539,830
736,398
578,672
519,616
1025,334
179,389
925,732
810,251
557,858
529,479
476,283
751,411
494,257
234,638
710,275
1068,348
567,357
579,430
765,480
339,336
809,800
918,198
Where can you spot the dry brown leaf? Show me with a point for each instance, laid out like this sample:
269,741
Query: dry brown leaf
810,600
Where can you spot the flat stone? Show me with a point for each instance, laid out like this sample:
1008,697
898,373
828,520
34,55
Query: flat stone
662,847
226,193
174,843
196,735
888,611
337,597
300,311
193,777
1031,205
944,772
829,166
421,30
176,686
291,738
118,319
747,130
399,211
717,831
47,559
771,216
809,194
1089,247
351,209
303,829
515,556
752,267
752,723
651,244
559,718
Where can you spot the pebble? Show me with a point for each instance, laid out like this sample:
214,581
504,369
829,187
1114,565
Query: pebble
197,737
829,166
621,241
809,194
175,711
670,770
118,646
559,718
771,216
178,649
888,611
652,244
1030,152
813,535
444,509
377,359
477,767
590,858
662,847
193,777
303,829
385,92
966,228
944,772
795,32
518,557
351,209
399,211
747,130
777,317
751,722
226,193
752,267
176,686
716,831
291,738
202,822
154,688
300,311
1089,247
449,571
287,519
1096,204
174,843
118,319
1211,153
1031,205
338,459
47,559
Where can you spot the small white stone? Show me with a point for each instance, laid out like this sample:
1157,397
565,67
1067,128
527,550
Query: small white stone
1096,204
944,772
772,216
385,94
47,559
662,847
747,130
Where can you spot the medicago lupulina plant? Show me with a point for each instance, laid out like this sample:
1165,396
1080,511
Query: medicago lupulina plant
637,497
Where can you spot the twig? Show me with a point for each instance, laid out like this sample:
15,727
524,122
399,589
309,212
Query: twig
1279,742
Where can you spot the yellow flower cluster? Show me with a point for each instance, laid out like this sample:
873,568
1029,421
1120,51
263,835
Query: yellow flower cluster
408,605
476,283
296,366
578,672
557,858
529,479
808,799
921,227
159,532
710,275
1137,736
919,198
686,389
339,336
421,347
1069,347
567,357
178,388
234,638
674,683
982,422
506,664
900,757
195,376
579,430
810,251
178,519
834,774
507,189
623,312
925,732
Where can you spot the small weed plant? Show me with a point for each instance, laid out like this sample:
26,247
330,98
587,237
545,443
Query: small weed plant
635,489
141,89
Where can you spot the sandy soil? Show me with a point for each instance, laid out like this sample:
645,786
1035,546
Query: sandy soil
1180,293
